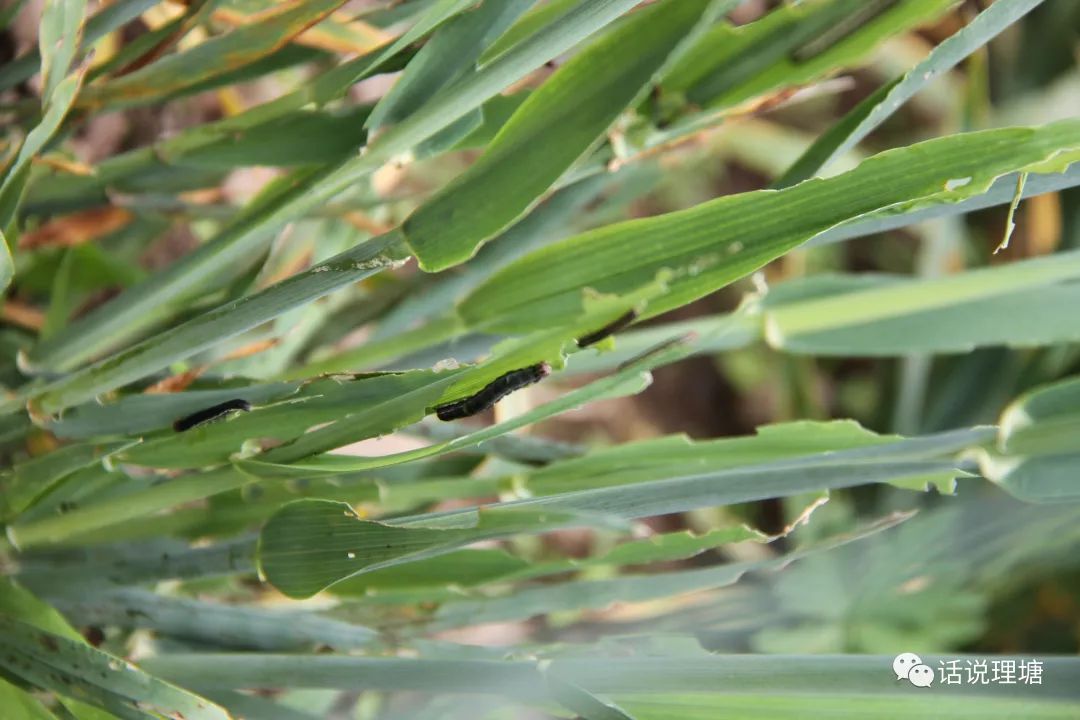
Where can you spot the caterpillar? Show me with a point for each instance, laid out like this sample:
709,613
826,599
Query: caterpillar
493,392
657,349
211,413
841,29
610,329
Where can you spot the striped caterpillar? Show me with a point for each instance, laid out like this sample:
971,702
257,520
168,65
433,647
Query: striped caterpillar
493,392
211,413
610,329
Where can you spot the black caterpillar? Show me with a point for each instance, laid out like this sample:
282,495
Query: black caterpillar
493,392
609,329
210,413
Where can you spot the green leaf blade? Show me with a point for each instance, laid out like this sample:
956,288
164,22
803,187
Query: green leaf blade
717,242
550,131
